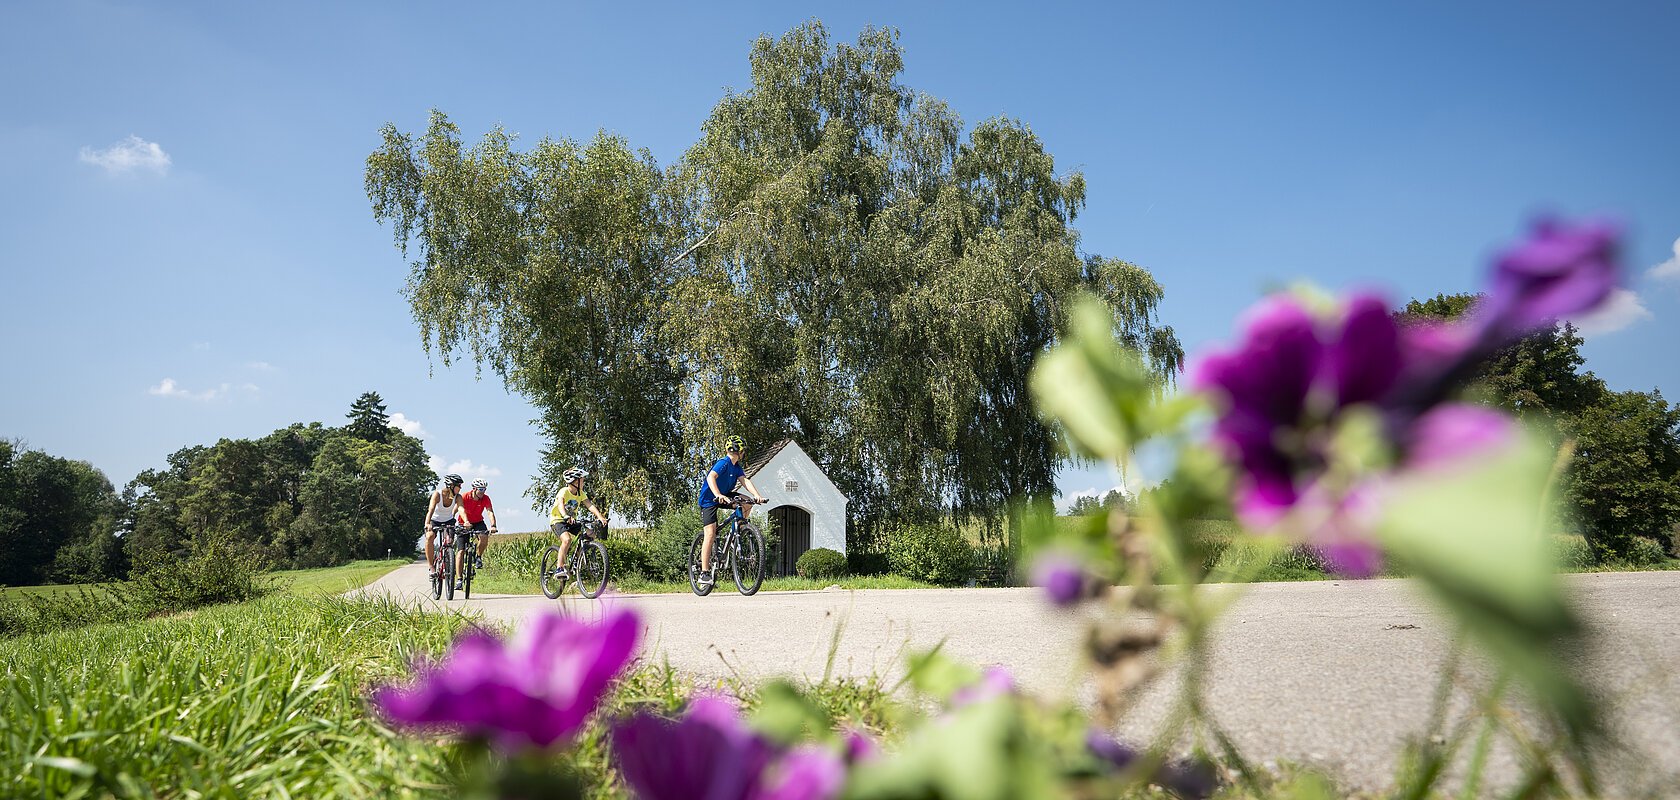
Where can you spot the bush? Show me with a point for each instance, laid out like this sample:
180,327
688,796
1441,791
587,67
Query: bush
667,548
820,564
1644,552
863,563
88,605
628,557
216,568
1572,552
932,552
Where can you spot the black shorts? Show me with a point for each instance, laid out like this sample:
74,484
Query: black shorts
574,527
709,514
477,527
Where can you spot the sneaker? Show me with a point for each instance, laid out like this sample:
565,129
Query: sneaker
705,580
478,562
458,585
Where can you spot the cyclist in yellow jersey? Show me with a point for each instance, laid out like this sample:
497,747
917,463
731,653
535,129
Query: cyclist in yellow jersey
564,517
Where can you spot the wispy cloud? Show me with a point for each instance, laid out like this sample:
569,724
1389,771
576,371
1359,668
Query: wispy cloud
260,366
411,427
1668,270
1624,308
169,388
463,467
129,155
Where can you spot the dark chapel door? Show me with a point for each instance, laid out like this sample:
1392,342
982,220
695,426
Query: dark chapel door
792,525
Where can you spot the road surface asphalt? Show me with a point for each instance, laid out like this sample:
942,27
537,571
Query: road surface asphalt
1335,675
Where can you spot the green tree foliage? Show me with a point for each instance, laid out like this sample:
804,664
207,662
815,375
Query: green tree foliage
47,504
1624,482
368,419
833,259
1085,505
1537,378
1624,479
305,495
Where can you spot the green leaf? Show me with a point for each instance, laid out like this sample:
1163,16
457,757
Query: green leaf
938,676
1100,392
1475,533
786,716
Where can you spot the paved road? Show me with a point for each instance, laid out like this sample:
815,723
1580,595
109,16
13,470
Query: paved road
1332,674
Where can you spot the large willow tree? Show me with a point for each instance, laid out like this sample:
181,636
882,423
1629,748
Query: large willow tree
832,260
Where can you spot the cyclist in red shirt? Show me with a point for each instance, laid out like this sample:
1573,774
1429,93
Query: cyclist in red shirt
475,508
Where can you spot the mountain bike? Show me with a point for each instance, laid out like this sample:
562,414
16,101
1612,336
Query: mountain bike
739,545
443,579
586,564
466,539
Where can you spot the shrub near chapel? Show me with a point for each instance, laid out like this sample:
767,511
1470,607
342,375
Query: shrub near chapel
820,564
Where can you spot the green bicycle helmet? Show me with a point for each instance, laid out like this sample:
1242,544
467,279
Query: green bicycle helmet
734,444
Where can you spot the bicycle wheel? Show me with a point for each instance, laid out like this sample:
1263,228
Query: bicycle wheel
747,562
437,583
449,574
551,586
591,568
694,566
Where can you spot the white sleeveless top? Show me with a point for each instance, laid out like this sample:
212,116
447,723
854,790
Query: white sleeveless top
443,513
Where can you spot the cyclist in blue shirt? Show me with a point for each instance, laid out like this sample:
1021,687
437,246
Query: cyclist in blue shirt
719,490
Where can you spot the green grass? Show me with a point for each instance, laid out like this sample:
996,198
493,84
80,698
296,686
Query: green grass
261,699
353,575
337,580
267,699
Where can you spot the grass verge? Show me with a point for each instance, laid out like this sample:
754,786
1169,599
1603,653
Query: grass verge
267,699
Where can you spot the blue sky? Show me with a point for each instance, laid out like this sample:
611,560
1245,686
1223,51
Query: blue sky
221,275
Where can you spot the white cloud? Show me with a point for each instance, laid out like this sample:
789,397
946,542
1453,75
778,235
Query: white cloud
409,426
463,467
169,388
467,469
1624,308
1668,270
128,155
260,366
201,346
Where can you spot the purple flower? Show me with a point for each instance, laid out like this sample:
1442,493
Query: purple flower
1451,432
1060,577
1290,378
860,747
1560,271
533,691
710,755
994,682
1186,778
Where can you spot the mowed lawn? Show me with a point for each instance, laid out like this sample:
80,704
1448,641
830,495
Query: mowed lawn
325,580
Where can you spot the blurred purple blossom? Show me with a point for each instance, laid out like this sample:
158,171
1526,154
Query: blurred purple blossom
1061,578
994,682
1286,387
1560,271
710,754
532,691
860,747
1185,778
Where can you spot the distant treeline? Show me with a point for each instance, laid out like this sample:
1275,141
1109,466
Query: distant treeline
305,495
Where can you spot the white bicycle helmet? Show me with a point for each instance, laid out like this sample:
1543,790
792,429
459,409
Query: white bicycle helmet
574,473
480,484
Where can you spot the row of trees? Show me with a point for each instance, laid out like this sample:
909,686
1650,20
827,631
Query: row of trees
302,496
832,259
1623,481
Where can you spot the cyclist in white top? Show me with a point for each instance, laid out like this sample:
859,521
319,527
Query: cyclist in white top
446,501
